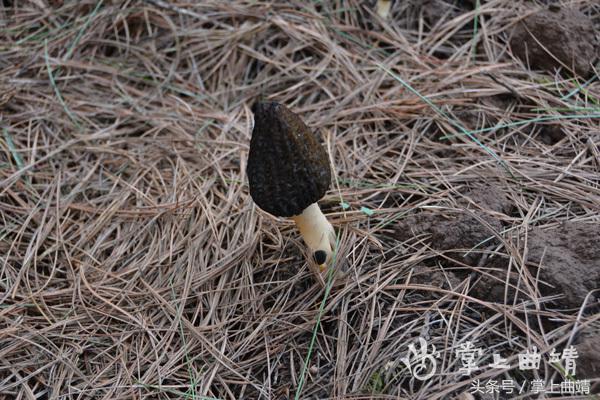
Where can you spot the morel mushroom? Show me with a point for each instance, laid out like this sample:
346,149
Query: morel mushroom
288,172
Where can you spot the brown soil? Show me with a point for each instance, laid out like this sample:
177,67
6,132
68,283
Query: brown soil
461,234
435,277
569,261
588,349
551,134
474,221
554,38
568,254
436,11
569,257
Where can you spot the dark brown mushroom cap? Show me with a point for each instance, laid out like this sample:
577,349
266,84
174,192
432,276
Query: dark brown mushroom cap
288,169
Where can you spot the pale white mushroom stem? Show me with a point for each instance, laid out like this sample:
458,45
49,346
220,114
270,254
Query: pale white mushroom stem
383,8
317,232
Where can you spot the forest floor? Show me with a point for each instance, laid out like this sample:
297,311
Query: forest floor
464,141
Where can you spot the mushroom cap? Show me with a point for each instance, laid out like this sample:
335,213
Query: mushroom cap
288,169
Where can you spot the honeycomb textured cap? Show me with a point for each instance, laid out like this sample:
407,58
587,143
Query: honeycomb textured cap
288,169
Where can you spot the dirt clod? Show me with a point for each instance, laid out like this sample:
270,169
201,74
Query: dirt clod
570,259
550,38
462,228
551,134
438,10
588,343
435,277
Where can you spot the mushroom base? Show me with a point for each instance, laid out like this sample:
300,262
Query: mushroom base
317,232
383,8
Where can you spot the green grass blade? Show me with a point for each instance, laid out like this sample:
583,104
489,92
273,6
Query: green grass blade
13,150
83,29
55,87
313,338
